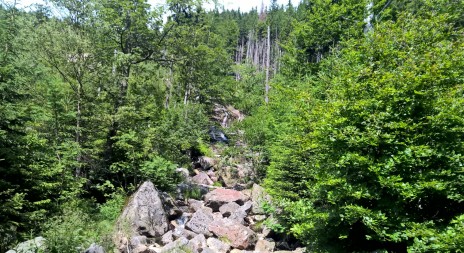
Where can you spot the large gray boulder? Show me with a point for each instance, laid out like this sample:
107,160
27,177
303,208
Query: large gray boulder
144,214
200,221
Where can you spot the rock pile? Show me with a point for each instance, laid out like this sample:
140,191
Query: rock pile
202,216
224,220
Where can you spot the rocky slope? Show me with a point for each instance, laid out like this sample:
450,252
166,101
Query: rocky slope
201,217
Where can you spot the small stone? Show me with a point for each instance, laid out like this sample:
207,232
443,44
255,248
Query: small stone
137,240
217,245
198,242
175,246
259,217
227,209
241,213
259,198
202,178
208,250
183,172
195,204
167,238
141,249
264,246
182,232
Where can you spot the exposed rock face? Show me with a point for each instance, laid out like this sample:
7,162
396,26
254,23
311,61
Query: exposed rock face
219,197
240,237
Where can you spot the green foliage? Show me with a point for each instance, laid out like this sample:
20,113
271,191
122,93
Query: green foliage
75,228
161,172
324,25
374,160
193,192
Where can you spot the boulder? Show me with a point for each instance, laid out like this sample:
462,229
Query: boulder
95,248
179,232
170,207
144,214
206,163
141,248
211,173
263,246
202,178
177,246
208,250
217,245
167,238
229,208
198,242
241,251
184,173
241,213
220,196
259,217
195,204
135,241
238,235
259,197
137,244
200,221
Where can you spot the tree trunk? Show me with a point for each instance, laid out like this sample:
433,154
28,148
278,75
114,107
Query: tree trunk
266,98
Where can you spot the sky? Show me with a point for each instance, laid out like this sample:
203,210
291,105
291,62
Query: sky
244,5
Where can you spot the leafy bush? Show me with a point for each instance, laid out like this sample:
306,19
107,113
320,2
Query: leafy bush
375,162
80,224
161,172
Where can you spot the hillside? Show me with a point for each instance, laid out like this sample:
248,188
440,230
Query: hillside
348,113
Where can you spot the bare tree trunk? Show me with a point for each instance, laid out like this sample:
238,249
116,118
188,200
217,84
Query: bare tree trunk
266,96
78,130
256,54
169,87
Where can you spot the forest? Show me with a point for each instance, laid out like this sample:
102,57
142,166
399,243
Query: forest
354,111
